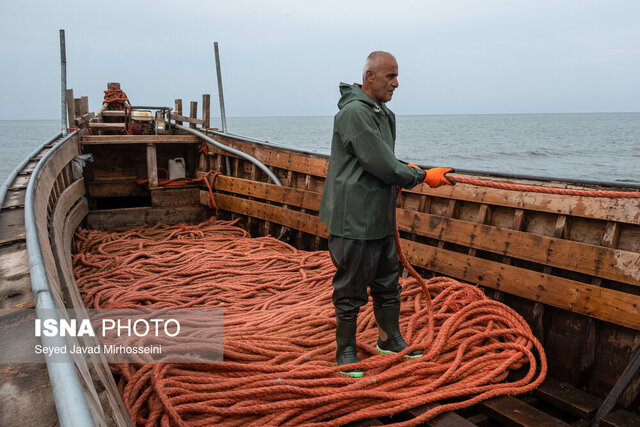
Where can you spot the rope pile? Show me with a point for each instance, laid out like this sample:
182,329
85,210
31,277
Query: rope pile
116,97
279,333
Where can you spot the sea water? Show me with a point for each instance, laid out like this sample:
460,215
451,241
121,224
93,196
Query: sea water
593,146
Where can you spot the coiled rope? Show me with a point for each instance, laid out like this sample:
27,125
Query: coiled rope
279,333
116,97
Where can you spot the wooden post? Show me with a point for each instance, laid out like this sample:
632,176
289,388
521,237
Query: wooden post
116,85
178,109
71,108
206,111
77,106
193,113
152,165
84,105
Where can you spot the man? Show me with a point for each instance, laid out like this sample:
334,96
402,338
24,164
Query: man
359,208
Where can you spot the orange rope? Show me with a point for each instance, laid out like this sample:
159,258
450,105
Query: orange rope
116,97
546,190
279,333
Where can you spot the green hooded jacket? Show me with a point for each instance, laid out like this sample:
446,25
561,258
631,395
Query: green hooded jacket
359,197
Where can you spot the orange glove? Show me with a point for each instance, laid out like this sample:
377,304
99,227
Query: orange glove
435,177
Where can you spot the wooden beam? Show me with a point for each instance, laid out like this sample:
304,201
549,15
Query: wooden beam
206,110
106,126
178,112
193,114
109,219
621,210
138,139
310,164
568,398
274,193
71,108
152,165
191,120
84,105
447,419
293,219
620,418
510,411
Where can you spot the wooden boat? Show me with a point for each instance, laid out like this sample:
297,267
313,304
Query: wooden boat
569,264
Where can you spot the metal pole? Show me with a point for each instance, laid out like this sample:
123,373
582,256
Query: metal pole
223,116
63,78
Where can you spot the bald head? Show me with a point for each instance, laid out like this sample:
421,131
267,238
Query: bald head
374,61
380,76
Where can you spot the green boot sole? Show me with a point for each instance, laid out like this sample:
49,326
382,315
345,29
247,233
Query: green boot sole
353,374
406,356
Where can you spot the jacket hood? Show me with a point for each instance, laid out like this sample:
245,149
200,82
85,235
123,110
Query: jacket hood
354,93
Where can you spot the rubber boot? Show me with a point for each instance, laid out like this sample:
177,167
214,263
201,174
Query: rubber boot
346,347
389,337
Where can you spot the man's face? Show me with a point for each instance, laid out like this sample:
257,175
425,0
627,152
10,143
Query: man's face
384,81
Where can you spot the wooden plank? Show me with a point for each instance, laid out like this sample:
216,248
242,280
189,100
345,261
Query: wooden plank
169,197
84,105
106,126
620,418
274,193
11,224
283,158
193,114
15,279
178,111
71,108
138,139
206,110
293,219
605,304
44,184
77,107
447,419
621,210
191,120
152,165
128,188
109,219
568,398
614,264
26,397
481,218
14,199
510,411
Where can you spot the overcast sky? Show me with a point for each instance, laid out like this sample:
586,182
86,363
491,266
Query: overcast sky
287,57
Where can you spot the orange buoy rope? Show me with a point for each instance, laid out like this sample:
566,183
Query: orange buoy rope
279,333
546,190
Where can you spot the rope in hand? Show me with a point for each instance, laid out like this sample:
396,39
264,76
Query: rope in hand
546,190
279,333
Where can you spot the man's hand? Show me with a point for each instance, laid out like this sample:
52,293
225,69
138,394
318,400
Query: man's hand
435,177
